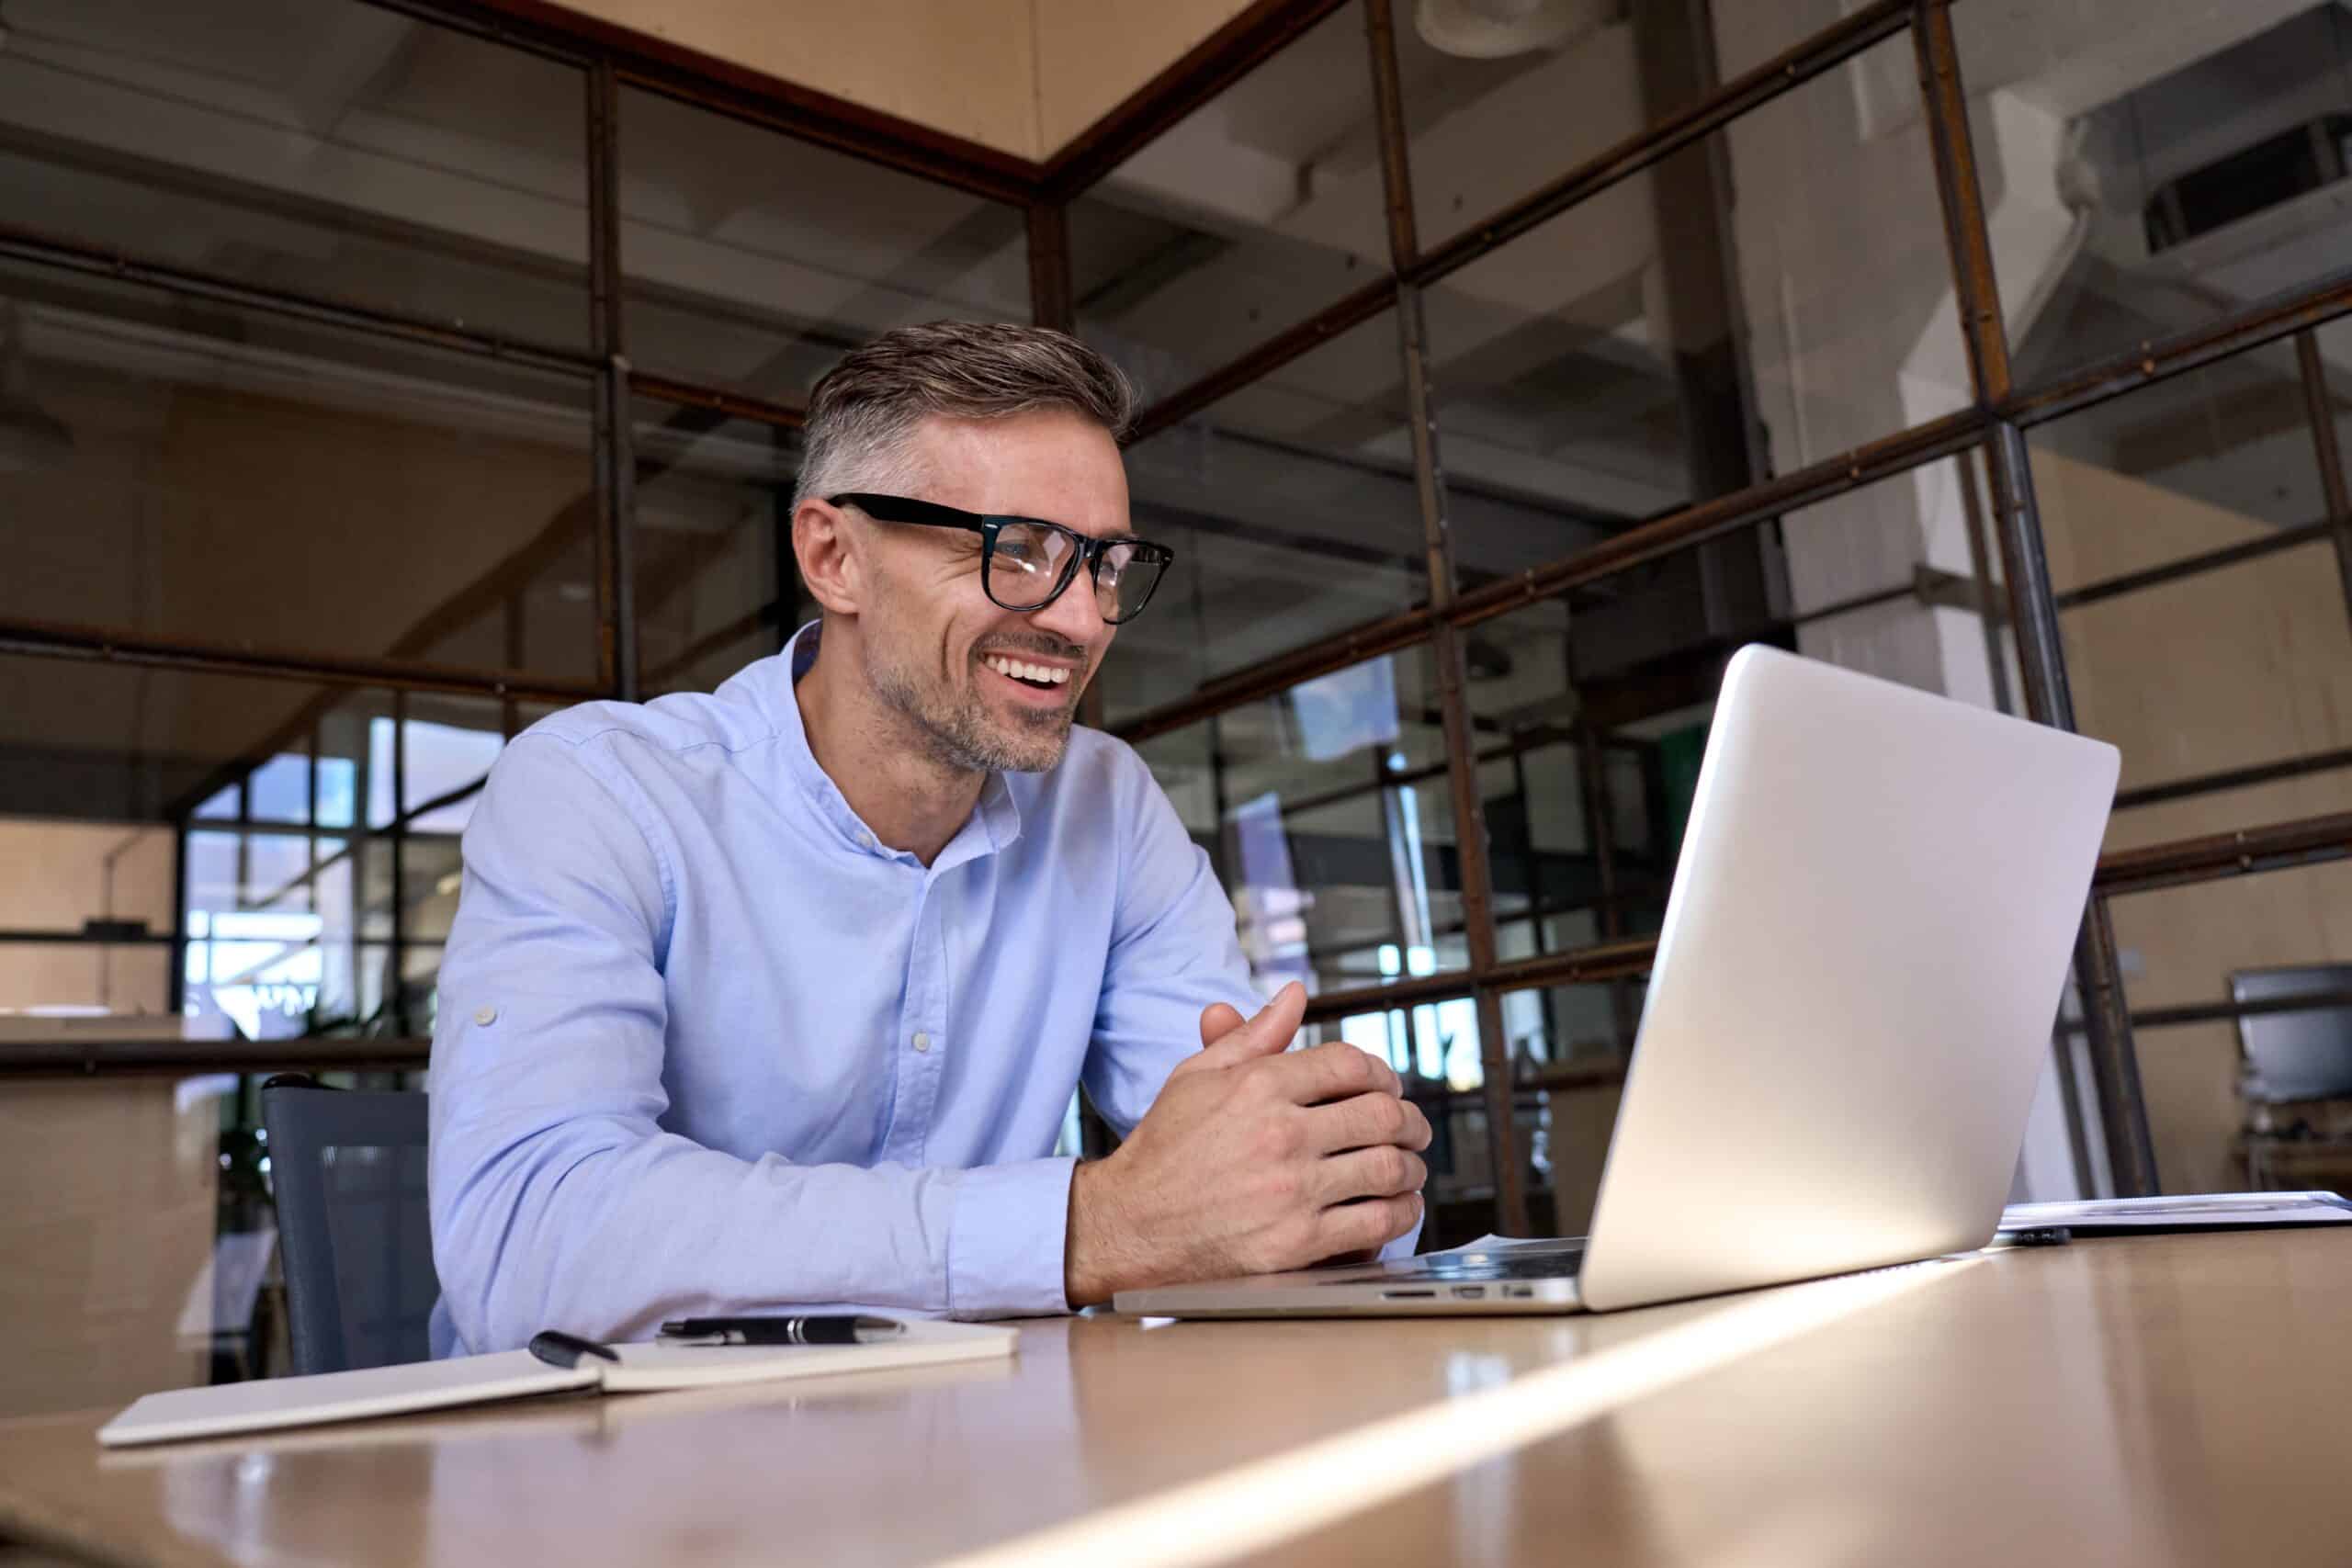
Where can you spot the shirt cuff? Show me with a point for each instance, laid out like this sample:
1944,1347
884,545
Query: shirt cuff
1004,1244
1404,1244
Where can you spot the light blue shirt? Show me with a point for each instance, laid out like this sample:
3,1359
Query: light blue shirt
706,1045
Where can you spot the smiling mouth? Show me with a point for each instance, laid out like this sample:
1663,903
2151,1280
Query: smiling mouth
1037,677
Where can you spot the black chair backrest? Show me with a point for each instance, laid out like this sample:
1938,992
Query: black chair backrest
348,1169
2303,1055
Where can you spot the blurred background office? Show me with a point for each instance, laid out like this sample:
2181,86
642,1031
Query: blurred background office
378,378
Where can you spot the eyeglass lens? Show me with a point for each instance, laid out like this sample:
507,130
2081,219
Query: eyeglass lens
1028,563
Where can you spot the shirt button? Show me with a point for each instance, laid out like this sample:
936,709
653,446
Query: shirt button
486,1016
865,839
922,1042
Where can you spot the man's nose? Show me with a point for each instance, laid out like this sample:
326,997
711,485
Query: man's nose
1074,616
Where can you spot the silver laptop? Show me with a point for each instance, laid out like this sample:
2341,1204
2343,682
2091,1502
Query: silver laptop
1851,1002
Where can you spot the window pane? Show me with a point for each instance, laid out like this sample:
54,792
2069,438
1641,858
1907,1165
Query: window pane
1255,211
713,519
59,874
2245,664
279,790
1589,374
755,260
1292,510
228,475
91,741
105,1264
1327,812
1486,129
2215,458
320,147
2183,946
2150,179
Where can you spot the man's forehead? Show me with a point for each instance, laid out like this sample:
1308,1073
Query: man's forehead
1053,464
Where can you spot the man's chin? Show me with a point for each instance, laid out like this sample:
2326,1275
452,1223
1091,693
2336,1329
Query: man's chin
1029,740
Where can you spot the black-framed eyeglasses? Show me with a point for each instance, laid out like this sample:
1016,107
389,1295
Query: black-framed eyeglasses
1025,563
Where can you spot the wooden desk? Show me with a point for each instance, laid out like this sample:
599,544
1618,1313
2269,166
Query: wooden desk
2165,1399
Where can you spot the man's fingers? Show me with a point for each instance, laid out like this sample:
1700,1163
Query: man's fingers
1366,1120
1367,1225
1386,1171
1267,1034
1333,1071
1218,1021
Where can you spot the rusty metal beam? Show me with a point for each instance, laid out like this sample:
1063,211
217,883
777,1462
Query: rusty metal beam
2210,858
2319,407
1253,35
1785,71
57,639
22,244
716,399
1350,311
2160,359
2242,852
2115,1068
1472,850
705,81
2233,778
118,1058
1966,239
1790,69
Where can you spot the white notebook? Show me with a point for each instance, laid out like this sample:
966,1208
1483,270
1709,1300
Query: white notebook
271,1402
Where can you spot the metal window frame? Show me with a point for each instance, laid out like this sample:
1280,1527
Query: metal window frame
609,59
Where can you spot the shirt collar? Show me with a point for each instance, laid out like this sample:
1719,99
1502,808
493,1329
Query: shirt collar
995,822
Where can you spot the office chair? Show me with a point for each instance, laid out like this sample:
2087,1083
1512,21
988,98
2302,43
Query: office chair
348,1169
2295,1076
2305,1055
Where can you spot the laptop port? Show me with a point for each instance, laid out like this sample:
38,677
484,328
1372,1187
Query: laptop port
1406,1295
1471,1292
1524,1292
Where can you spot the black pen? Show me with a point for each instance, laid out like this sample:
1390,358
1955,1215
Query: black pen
835,1329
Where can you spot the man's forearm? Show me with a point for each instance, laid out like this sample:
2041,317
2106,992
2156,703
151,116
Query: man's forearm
599,1236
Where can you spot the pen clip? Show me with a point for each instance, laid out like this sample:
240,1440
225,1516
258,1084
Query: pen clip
558,1349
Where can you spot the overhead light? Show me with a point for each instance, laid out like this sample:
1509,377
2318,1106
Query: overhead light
31,437
1491,29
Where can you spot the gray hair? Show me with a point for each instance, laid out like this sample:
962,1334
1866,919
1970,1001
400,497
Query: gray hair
863,409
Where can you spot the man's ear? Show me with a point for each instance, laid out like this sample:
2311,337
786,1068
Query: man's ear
833,565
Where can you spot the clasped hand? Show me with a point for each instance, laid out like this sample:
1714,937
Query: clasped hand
1253,1159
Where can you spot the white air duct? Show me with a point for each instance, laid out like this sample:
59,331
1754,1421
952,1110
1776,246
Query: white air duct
1491,29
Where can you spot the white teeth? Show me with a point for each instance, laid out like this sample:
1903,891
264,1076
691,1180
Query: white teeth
1021,669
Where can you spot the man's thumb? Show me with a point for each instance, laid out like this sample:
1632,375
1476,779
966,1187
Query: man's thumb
1267,1034
1218,1021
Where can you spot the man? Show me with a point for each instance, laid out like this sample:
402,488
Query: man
775,997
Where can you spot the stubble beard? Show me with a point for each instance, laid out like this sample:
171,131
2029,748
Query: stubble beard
960,732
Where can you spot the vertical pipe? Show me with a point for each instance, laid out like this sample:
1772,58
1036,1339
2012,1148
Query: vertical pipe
617,662
1051,305
787,564
2333,485
1974,280
2033,612
1601,831
2115,1066
1469,816
509,712
1050,301
397,974
1980,568
178,984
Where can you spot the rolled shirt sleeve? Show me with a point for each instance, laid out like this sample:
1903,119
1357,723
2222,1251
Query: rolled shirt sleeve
1175,951
557,1199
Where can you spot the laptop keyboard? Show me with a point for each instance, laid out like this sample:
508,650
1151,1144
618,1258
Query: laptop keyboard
1558,1263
